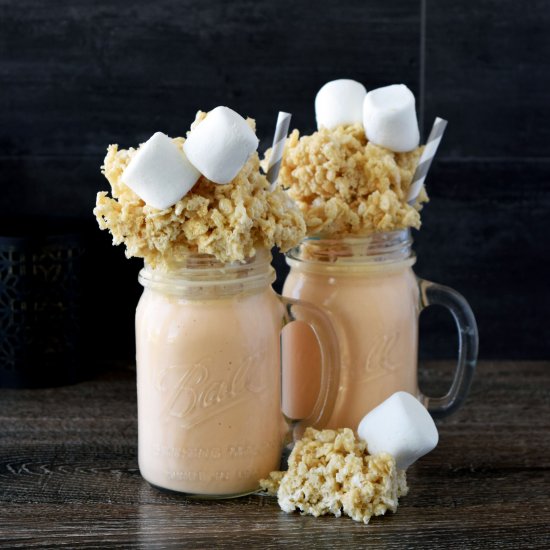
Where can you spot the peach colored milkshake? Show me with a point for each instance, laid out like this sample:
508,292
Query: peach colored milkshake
374,310
348,189
208,323
359,182
209,381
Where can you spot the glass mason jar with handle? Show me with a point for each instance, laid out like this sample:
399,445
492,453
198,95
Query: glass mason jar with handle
367,287
209,377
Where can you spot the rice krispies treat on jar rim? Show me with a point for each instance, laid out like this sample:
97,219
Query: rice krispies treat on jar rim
228,221
347,185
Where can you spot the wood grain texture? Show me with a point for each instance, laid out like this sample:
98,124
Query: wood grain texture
484,233
485,230
79,75
487,68
46,185
69,477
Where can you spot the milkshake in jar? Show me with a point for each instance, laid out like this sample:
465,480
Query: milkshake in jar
353,181
208,324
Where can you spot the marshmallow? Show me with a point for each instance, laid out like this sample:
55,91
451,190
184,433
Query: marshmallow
220,145
400,426
389,118
340,102
159,173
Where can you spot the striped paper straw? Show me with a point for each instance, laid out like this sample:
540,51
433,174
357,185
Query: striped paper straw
281,131
425,161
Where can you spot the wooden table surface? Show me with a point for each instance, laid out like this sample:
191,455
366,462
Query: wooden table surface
69,477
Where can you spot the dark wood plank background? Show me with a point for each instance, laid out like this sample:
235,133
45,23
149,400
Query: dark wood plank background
77,75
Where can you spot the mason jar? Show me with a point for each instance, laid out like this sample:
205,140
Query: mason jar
368,288
211,421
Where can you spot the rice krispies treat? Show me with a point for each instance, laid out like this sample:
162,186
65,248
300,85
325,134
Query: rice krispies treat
330,471
347,185
228,221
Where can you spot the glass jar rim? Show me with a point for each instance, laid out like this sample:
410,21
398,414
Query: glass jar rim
376,251
202,275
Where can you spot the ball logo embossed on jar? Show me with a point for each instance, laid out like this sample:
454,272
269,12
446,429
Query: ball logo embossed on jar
194,395
210,375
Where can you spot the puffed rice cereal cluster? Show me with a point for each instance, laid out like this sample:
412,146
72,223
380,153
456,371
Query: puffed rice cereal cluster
346,185
228,221
331,472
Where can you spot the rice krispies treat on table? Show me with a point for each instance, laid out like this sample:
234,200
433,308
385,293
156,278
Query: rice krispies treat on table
330,472
346,185
228,221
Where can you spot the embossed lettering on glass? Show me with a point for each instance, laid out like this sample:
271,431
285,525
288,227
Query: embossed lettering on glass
209,375
373,298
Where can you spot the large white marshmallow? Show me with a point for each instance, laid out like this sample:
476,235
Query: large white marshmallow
159,173
340,102
389,118
401,426
220,145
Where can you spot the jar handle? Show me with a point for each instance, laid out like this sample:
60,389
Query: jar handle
297,310
435,294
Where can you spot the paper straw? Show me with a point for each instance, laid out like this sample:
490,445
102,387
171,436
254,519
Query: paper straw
279,139
426,158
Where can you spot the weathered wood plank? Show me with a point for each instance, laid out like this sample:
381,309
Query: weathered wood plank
69,476
487,72
484,233
226,525
77,77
